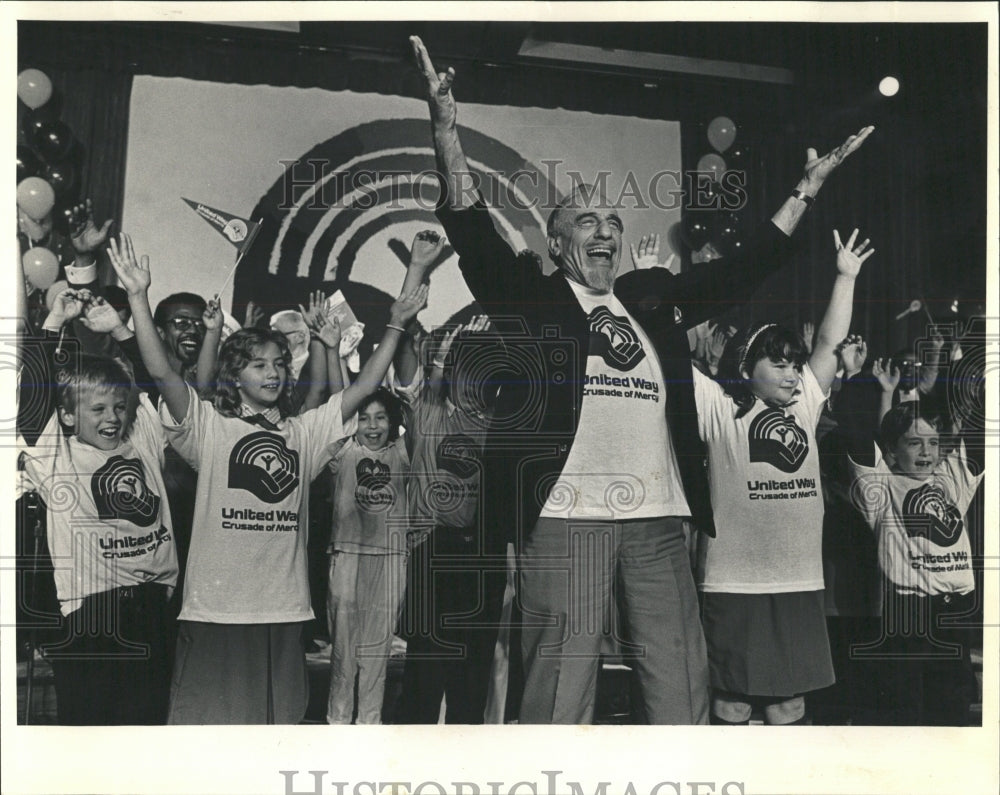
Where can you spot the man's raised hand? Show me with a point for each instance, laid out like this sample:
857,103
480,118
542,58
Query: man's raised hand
438,85
84,234
132,273
819,168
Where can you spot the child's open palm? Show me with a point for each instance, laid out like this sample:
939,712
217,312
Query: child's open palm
886,374
100,317
850,258
133,274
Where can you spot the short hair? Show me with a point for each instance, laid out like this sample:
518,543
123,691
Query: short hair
92,372
900,419
757,342
235,354
392,405
163,309
117,298
580,189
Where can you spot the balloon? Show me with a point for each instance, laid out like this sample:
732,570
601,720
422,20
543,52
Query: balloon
704,193
36,197
739,157
53,292
721,133
713,164
729,238
695,230
27,164
62,178
34,88
52,140
31,120
40,267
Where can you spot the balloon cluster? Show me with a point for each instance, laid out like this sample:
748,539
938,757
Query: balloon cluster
710,219
47,177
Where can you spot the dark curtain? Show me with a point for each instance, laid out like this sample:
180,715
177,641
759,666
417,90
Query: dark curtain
917,188
94,104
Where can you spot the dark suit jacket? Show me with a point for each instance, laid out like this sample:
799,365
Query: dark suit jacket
542,389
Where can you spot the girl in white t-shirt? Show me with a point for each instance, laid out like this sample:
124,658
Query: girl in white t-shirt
240,653
367,558
761,577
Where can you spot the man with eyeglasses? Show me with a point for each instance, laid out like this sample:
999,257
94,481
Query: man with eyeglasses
178,319
597,494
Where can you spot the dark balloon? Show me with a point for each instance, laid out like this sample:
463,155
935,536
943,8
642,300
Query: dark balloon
739,157
27,164
52,140
31,120
695,230
62,178
728,238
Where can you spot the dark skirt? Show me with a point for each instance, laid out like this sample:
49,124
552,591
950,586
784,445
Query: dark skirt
771,644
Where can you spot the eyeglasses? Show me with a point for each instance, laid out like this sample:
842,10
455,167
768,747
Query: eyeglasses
186,323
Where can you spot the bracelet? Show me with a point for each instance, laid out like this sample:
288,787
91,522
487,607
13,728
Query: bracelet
805,198
400,329
436,363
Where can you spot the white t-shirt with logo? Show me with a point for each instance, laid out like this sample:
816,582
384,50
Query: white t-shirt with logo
923,543
247,561
369,499
108,522
445,474
763,471
622,463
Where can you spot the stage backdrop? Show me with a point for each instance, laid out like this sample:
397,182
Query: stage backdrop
342,182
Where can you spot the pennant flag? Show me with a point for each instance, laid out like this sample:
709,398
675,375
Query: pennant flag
238,231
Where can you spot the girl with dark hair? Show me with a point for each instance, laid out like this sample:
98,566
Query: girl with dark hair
367,558
761,577
240,652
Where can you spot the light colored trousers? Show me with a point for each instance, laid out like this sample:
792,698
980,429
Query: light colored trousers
566,573
362,603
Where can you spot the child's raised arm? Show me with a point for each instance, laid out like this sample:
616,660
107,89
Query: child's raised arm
135,278
424,252
208,356
325,372
401,312
837,320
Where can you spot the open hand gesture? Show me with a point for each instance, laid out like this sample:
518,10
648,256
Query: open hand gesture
132,273
647,254
326,330
438,85
426,248
84,234
100,317
887,374
819,168
254,316
406,307
850,257
853,351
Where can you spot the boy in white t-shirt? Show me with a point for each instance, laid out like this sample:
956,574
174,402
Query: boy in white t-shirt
108,528
915,499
